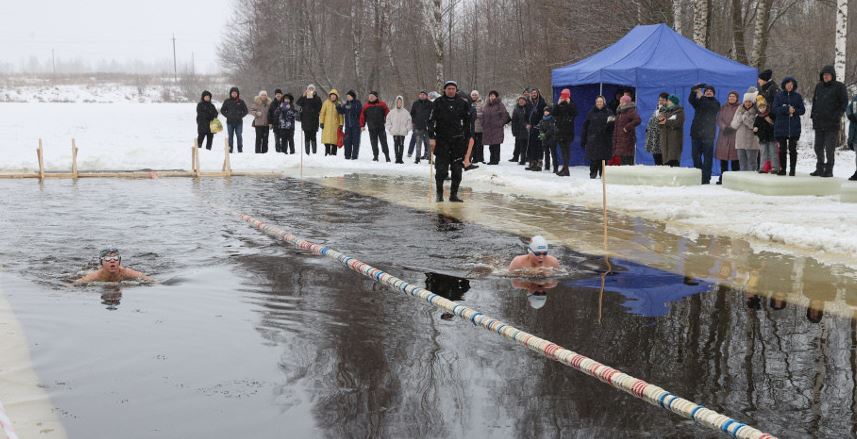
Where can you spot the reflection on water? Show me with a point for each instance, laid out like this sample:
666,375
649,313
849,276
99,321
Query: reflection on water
254,338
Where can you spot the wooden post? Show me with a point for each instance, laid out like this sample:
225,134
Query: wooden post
194,159
73,159
227,166
431,173
302,158
40,153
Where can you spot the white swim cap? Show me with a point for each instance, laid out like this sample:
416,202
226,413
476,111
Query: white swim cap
537,300
538,244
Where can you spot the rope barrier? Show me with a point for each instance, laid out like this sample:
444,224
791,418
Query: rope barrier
636,387
6,424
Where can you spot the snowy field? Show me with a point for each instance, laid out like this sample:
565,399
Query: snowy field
159,136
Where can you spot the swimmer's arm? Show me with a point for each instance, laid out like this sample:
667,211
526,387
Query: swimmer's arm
516,264
91,277
131,274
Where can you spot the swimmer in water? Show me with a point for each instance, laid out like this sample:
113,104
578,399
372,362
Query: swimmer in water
112,270
536,262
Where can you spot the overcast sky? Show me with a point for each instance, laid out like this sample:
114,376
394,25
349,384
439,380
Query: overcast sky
97,30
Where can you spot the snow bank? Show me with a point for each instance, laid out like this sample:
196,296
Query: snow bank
159,136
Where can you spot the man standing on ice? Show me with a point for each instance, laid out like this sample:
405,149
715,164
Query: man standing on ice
451,141
234,109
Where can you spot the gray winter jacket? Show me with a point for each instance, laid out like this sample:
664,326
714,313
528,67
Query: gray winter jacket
399,120
743,122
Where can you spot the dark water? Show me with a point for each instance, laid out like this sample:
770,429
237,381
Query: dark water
249,338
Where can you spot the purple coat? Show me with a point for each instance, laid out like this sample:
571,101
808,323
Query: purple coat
726,139
494,118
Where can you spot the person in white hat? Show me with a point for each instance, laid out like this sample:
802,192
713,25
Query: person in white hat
537,261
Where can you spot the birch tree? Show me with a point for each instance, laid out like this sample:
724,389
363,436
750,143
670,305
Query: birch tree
437,39
677,15
700,21
760,33
839,49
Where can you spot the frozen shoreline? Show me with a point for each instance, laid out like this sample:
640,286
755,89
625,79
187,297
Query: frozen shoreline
159,136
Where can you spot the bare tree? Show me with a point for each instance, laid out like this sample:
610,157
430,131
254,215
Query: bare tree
677,23
738,47
841,46
700,21
760,33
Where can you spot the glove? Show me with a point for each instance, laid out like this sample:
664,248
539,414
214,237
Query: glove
322,126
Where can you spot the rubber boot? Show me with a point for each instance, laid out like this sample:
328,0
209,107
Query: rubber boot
853,177
453,197
564,172
439,198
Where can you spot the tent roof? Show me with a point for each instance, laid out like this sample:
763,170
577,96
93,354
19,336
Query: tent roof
651,56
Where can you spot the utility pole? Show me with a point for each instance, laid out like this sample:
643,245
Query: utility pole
192,65
175,64
53,62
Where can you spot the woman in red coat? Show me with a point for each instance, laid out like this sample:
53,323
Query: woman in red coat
625,130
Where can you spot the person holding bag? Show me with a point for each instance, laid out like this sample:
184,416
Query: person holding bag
206,121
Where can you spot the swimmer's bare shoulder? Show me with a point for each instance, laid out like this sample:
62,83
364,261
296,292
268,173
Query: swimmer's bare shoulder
518,263
94,276
551,261
131,274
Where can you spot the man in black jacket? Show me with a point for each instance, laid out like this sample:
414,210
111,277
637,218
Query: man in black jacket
234,109
704,128
768,87
450,130
828,106
420,112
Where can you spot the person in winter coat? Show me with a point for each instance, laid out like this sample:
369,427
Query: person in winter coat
547,133
653,130
534,116
768,87
330,122
350,112
283,120
828,105
259,111
745,140
309,106
272,120
450,131
205,113
625,130
851,112
565,112
494,118
597,138
374,114
763,127
420,112
726,152
478,143
671,121
234,109
519,130
703,129
399,125
788,108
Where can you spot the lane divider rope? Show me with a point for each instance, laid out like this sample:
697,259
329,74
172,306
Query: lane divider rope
636,387
6,424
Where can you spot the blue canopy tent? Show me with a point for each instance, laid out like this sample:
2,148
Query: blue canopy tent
650,59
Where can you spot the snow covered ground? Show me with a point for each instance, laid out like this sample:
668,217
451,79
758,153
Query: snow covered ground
159,136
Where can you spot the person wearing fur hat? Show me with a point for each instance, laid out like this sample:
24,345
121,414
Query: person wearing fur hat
494,119
671,121
259,110
519,130
746,142
768,88
399,125
374,115
205,113
726,152
597,136
309,105
653,130
788,108
330,122
234,109
828,106
565,112
703,129
625,130
350,111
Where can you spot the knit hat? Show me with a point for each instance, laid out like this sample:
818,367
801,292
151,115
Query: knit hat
278,91
624,100
494,92
565,94
674,99
448,83
710,87
734,92
750,96
548,109
352,93
375,93
766,75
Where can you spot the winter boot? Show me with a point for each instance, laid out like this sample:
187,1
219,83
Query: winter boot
563,172
532,166
453,197
853,177
439,198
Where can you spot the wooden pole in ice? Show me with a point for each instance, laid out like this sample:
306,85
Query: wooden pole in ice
40,153
73,159
227,166
194,159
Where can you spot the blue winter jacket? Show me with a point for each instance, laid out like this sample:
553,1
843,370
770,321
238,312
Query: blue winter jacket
351,111
786,125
